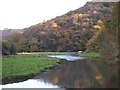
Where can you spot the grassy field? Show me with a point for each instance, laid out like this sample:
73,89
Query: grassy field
90,54
28,64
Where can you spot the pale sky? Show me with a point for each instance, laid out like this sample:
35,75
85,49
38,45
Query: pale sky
20,14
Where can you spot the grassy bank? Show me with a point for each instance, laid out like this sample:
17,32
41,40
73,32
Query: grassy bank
27,64
90,54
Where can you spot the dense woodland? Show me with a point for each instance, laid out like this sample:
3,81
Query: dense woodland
73,31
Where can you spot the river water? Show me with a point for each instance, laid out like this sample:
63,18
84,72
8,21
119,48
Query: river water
73,72
66,57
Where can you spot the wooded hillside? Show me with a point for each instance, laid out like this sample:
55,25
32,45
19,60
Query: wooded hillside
69,32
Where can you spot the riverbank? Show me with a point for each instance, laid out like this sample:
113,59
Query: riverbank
24,66
91,54
90,69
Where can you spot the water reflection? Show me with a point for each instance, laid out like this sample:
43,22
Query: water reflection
86,73
80,74
31,83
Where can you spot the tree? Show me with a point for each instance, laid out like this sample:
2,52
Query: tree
13,49
33,44
5,48
23,45
93,44
109,44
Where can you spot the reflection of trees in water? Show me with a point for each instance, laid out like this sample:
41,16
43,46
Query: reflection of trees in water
78,74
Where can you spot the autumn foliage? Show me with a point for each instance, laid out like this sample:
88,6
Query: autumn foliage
72,31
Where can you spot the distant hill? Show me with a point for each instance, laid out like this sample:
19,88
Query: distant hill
82,18
6,33
69,32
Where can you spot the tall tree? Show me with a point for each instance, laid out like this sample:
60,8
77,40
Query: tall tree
13,49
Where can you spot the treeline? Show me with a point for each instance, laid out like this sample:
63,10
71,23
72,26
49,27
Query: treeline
70,32
52,40
106,41
8,48
109,37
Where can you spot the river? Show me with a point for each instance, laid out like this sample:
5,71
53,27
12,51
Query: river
73,72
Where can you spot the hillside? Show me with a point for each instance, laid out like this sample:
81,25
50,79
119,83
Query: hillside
69,32
82,18
6,33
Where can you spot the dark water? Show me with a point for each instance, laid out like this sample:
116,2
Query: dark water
78,73
81,74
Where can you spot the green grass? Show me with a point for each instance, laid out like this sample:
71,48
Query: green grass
28,64
32,64
59,53
24,65
90,54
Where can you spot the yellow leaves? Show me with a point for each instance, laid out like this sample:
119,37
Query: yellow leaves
97,27
81,15
54,25
100,22
75,18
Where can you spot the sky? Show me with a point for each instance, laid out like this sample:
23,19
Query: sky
18,14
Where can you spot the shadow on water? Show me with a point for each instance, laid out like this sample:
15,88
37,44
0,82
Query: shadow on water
87,73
